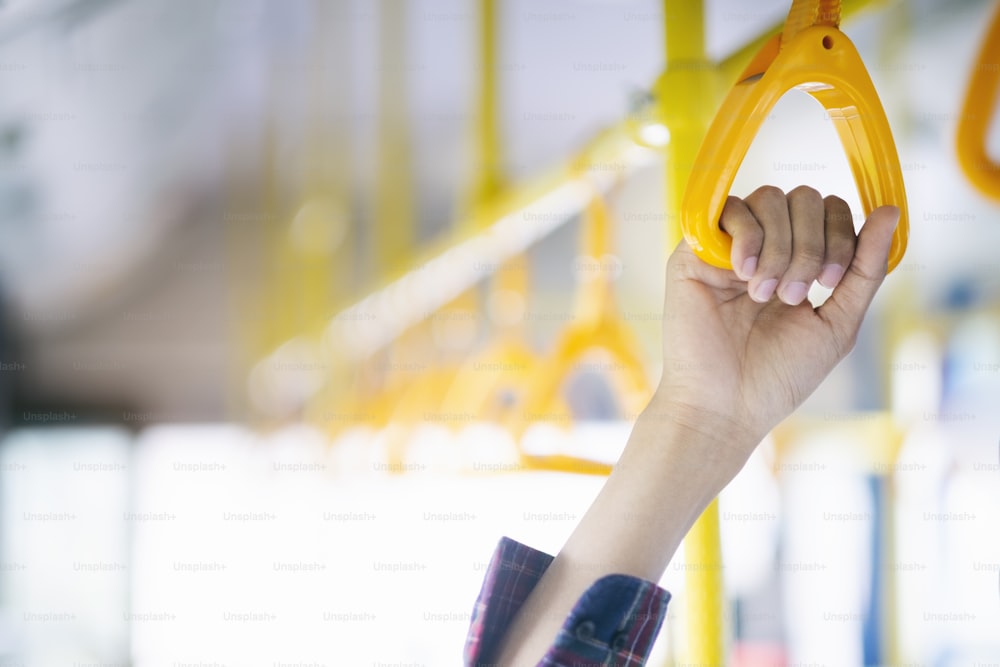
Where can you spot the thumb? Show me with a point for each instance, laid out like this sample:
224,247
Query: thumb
846,307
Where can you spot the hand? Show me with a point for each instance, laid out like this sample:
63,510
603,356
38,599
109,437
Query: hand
734,366
743,349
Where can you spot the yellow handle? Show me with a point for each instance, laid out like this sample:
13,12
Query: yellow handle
977,112
597,325
823,62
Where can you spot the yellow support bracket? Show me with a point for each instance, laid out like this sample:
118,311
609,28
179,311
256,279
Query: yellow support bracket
597,325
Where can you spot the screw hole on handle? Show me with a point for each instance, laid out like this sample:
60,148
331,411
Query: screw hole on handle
828,42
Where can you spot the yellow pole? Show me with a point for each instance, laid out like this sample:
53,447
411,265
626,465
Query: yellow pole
323,227
304,228
705,595
272,314
317,233
489,179
393,223
513,275
687,94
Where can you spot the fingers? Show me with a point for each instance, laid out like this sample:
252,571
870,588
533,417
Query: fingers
770,207
782,243
748,236
846,307
806,211
840,241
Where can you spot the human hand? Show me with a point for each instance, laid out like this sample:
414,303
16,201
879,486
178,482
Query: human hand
734,366
743,349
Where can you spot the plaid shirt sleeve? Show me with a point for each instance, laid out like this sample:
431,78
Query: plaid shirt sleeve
613,623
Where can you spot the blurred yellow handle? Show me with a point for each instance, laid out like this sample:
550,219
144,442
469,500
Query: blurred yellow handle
977,112
597,325
820,60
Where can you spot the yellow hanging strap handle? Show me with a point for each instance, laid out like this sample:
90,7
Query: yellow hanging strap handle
595,300
813,55
977,112
597,325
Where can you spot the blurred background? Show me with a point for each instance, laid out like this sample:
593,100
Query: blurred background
306,303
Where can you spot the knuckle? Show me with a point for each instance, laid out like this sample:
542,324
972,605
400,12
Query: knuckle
768,192
811,255
749,236
805,192
776,254
778,240
736,217
777,230
773,264
869,275
734,222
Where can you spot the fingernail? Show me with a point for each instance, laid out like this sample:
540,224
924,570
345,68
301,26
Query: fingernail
831,275
794,293
764,290
749,268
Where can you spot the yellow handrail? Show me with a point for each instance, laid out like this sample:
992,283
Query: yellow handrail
823,62
596,325
978,111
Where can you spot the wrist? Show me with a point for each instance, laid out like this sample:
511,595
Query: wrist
708,446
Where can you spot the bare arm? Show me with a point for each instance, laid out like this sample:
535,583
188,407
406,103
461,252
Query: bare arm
734,366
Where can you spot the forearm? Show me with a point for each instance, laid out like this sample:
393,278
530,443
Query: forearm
666,476
756,359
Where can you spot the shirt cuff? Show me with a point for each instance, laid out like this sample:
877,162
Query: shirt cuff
616,620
